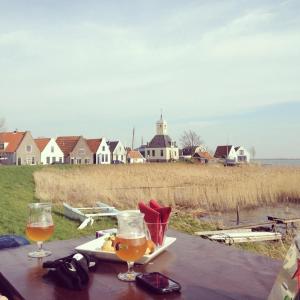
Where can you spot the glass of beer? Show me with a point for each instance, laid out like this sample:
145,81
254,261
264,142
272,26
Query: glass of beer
131,242
39,227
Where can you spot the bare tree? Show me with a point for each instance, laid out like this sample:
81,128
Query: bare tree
190,139
252,152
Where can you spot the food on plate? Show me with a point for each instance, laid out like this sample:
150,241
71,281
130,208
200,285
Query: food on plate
109,245
150,247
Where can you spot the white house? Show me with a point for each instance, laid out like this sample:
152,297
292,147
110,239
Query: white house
100,149
232,154
50,151
117,152
135,157
243,156
161,148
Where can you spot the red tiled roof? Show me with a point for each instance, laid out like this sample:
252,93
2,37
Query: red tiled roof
204,155
67,143
94,144
42,143
13,139
134,154
222,151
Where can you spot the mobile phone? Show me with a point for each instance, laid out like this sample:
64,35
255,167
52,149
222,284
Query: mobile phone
158,283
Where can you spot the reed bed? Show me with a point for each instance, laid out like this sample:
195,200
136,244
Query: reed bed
182,185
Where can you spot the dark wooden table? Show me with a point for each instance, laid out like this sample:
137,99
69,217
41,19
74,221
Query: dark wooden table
206,270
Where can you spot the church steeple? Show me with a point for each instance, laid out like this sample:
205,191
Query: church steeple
161,126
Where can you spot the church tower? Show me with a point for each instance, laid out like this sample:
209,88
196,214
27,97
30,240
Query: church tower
161,126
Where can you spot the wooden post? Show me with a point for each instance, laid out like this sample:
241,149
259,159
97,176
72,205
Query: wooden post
237,214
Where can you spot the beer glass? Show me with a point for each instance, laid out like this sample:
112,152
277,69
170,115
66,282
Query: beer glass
131,242
39,227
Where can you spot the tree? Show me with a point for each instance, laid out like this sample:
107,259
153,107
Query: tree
190,139
252,152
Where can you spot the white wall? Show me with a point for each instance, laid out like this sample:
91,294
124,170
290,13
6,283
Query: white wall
168,153
243,152
103,153
119,153
53,152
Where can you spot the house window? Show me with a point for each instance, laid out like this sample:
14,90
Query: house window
1,146
102,157
52,149
241,152
72,161
48,160
60,159
153,152
53,159
87,161
33,160
148,152
79,161
19,161
28,148
161,152
28,161
122,157
106,157
103,148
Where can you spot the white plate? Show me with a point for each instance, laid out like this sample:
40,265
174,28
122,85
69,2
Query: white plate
94,248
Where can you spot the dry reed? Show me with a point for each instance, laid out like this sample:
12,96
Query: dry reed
188,186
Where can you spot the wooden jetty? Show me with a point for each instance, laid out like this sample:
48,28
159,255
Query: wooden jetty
284,221
244,237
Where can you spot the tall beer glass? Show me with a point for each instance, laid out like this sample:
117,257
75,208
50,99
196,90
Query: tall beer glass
131,242
39,227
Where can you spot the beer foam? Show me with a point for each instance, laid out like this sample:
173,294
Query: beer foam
131,236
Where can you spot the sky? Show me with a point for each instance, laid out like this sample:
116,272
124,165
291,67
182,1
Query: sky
228,70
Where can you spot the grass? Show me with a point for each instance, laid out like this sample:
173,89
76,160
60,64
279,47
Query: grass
17,189
188,186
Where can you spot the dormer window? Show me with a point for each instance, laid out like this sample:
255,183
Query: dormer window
28,148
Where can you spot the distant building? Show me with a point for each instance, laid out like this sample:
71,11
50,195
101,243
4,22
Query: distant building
117,152
18,148
243,156
202,157
232,155
75,149
188,152
161,148
135,157
50,151
100,150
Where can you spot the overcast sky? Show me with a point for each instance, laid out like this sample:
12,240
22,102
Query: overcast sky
228,70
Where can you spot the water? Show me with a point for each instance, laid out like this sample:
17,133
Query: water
256,215
277,162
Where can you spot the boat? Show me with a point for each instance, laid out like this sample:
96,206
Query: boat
87,215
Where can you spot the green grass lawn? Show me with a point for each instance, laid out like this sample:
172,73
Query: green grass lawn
17,190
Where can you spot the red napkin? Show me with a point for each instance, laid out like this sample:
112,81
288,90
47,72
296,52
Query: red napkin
158,216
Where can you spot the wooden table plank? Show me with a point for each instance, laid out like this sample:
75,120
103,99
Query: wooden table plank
205,269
